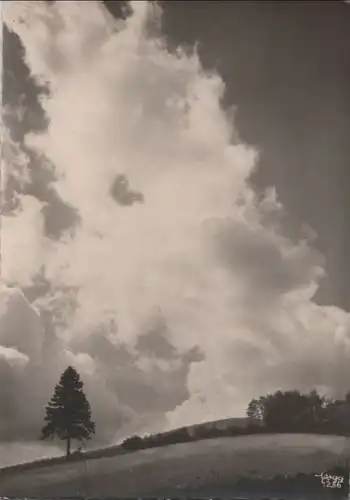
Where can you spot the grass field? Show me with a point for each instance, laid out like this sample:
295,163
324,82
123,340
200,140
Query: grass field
203,467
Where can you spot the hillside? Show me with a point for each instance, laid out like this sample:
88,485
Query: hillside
207,467
170,435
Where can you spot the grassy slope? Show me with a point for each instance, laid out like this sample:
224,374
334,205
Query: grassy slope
180,468
115,450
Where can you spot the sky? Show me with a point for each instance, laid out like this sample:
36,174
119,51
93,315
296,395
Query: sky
174,182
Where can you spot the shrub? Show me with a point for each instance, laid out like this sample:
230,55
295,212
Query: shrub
133,443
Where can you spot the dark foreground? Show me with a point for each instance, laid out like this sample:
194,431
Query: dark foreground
238,467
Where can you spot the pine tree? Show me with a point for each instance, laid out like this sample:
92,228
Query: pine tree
68,413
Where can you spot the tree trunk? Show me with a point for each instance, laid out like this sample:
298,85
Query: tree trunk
68,447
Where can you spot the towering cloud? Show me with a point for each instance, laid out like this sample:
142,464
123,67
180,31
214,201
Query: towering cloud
176,292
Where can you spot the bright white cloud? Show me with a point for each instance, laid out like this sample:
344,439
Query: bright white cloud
201,250
13,357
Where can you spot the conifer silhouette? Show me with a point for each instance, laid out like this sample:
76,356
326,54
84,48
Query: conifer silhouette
68,413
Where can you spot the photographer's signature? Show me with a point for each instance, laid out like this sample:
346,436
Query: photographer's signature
330,481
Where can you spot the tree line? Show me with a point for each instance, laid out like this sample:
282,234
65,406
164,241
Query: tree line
292,411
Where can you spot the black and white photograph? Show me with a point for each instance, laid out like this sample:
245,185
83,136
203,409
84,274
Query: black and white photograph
175,249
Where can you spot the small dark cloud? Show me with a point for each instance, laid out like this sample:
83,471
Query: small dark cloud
59,217
39,288
122,194
193,355
155,343
120,9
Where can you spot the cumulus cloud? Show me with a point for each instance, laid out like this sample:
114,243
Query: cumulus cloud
177,295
